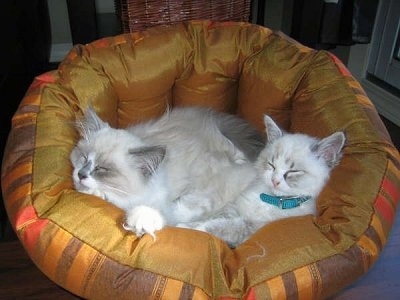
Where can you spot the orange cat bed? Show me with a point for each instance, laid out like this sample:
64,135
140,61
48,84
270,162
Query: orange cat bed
77,240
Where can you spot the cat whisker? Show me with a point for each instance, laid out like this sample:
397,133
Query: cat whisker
117,189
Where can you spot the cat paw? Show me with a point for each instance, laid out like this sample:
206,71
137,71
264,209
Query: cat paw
143,219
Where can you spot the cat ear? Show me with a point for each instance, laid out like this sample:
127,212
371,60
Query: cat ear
149,158
330,148
272,129
93,121
90,123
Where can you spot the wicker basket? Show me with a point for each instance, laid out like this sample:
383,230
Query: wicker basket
138,15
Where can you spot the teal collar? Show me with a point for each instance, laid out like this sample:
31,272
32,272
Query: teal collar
284,202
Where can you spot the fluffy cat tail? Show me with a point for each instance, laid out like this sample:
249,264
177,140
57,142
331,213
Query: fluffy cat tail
243,136
238,177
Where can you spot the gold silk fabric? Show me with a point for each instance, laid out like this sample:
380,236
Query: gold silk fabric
77,240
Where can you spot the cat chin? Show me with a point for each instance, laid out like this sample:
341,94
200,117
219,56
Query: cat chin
86,185
269,189
287,192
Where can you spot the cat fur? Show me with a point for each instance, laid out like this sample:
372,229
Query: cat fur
181,167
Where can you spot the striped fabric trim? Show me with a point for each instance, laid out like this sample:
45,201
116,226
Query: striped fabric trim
16,182
54,252
388,199
302,276
30,227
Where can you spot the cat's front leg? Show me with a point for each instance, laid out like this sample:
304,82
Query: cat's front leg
192,225
143,219
233,231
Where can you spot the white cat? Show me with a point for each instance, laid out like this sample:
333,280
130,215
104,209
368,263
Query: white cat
291,171
179,168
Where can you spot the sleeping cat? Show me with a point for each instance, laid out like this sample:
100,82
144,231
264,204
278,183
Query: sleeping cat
291,171
179,168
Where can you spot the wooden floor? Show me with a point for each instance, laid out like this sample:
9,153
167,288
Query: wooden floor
20,279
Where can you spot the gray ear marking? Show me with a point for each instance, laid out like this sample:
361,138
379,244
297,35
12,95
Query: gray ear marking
272,129
330,148
90,123
149,158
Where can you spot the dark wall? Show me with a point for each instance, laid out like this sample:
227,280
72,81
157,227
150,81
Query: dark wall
25,50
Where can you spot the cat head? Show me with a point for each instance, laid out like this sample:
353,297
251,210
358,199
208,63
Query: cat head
294,164
112,163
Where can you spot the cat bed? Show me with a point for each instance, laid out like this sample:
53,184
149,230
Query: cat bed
78,240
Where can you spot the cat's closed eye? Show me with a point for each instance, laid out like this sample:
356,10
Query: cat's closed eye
270,166
291,174
100,170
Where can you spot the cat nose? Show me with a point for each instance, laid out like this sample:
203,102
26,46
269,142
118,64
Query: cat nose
275,182
83,173
81,176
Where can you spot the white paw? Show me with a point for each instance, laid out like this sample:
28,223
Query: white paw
143,219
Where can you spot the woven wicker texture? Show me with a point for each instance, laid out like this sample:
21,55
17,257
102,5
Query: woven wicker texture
77,240
138,15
